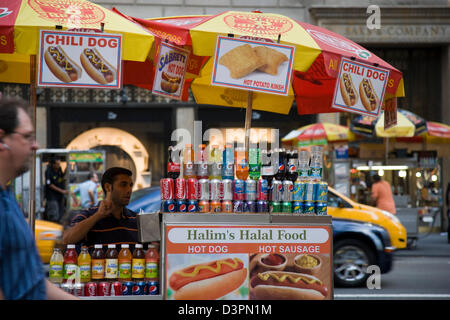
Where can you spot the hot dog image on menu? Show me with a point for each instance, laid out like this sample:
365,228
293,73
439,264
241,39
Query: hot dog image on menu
64,68
170,84
209,280
348,90
97,67
369,98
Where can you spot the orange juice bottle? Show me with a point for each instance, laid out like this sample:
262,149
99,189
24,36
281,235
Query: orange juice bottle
84,263
125,257
241,158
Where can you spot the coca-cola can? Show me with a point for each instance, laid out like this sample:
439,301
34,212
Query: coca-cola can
288,189
167,189
116,289
203,190
78,289
180,189
250,189
192,189
104,289
262,192
227,189
216,190
277,191
90,289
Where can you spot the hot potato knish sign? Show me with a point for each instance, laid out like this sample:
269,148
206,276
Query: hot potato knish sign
75,59
360,87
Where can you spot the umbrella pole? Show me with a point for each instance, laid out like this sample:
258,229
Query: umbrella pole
387,150
33,97
248,119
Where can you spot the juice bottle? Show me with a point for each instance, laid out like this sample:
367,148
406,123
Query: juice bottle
56,266
98,263
152,263
84,263
202,162
215,163
138,263
228,163
188,162
111,262
125,263
70,262
241,163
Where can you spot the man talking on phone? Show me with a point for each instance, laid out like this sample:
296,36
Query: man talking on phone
110,222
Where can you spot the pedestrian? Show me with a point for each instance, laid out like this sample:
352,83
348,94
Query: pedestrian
54,190
382,194
22,274
88,191
447,200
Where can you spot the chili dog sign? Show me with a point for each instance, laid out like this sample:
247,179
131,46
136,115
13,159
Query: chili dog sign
360,88
76,59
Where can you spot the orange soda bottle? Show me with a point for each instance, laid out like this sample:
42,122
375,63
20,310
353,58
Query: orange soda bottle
241,163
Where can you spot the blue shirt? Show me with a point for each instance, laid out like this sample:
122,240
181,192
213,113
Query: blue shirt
84,189
21,271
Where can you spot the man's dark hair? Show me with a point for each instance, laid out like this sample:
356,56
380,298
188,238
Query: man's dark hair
90,175
376,178
110,175
9,111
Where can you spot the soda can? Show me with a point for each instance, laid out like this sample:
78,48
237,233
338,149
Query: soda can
104,289
203,206
78,289
275,207
286,206
90,289
238,206
262,190
288,188
127,288
262,206
215,206
168,206
239,190
180,188
277,191
227,189
297,207
216,190
192,189
167,188
192,206
116,288
309,191
203,190
321,208
153,288
67,287
321,191
227,206
181,206
250,206
139,288
299,191
250,186
308,207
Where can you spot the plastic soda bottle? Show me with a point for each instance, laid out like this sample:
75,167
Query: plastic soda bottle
254,163
70,262
280,158
138,262
188,162
111,262
56,266
303,164
215,163
202,162
125,263
152,263
84,263
241,159
173,165
292,163
267,170
98,263
228,163
315,168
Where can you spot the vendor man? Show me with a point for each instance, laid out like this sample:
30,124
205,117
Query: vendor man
110,222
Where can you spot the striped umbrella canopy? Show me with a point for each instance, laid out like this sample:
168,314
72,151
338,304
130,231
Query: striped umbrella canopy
318,134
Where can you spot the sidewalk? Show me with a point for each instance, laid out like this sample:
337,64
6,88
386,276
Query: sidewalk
433,244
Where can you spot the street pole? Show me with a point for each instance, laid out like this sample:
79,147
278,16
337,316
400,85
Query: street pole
33,102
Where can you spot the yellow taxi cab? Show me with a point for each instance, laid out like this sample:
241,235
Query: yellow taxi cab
47,235
341,207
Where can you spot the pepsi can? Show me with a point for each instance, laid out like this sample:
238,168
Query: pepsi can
262,206
262,190
308,207
321,191
238,206
152,288
127,288
239,190
250,206
309,191
288,188
297,207
277,191
168,206
227,189
299,190
181,205
140,288
321,208
250,189
192,206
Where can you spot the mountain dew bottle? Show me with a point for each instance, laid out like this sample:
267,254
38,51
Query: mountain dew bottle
254,163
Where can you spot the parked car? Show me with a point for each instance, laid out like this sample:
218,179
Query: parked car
47,235
357,244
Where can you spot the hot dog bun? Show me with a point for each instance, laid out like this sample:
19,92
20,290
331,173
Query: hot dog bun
97,67
348,90
64,68
369,98
281,285
169,84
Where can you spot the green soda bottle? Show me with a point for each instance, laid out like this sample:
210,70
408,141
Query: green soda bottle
254,163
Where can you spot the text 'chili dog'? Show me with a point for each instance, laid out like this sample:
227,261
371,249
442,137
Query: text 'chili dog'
97,67
348,90
369,98
61,65
208,281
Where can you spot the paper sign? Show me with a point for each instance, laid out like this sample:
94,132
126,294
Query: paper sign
360,88
253,65
84,60
390,113
170,71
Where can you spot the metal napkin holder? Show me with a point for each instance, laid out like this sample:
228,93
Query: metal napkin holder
148,224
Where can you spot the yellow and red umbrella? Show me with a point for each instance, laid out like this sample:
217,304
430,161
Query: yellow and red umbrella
317,134
436,133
